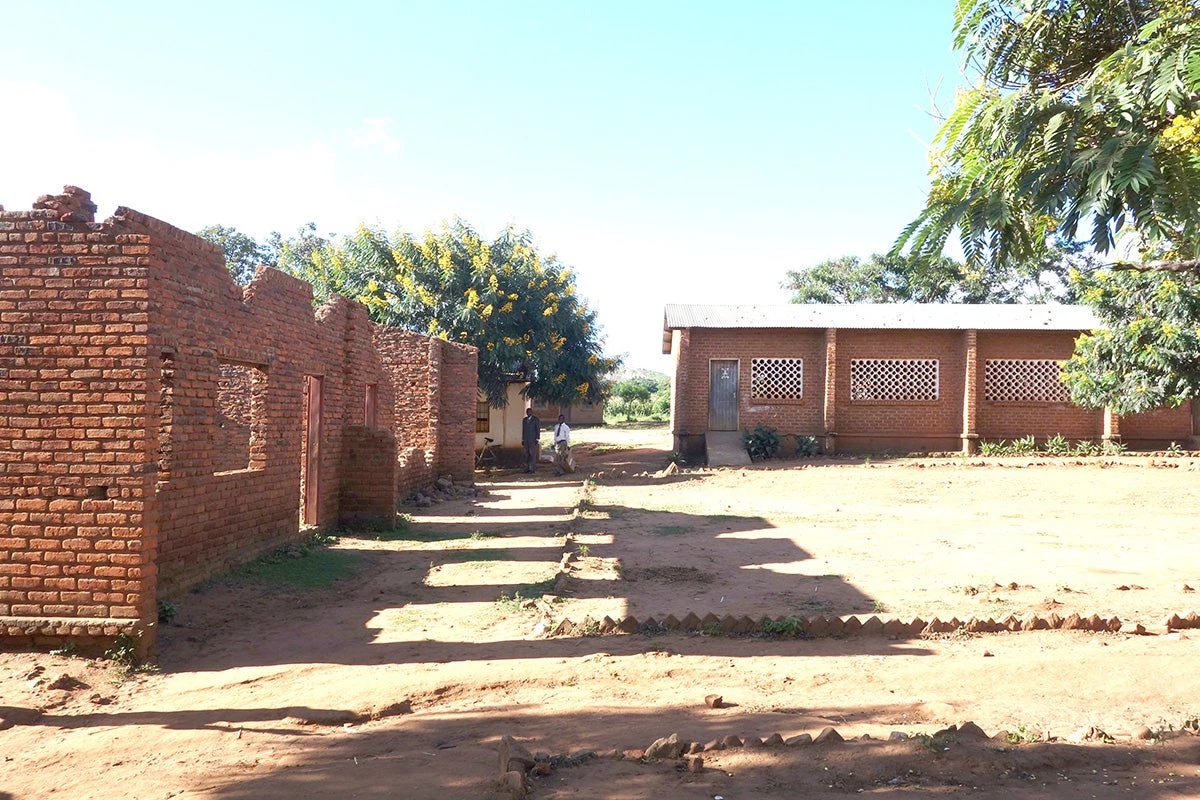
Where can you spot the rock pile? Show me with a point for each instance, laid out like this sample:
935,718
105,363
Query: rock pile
443,489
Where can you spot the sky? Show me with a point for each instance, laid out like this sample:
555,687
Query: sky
670,152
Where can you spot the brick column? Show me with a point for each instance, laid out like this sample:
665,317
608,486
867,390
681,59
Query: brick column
830,390
1112,426
970,437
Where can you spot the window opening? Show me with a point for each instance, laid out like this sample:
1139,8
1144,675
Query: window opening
893,379
777,378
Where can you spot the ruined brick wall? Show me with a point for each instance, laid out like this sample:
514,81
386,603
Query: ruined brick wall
456,431
75,494
152,416
435,412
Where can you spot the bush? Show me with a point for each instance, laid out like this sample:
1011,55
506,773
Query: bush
807,445
763,442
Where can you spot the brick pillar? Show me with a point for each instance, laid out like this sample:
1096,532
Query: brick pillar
970,437
1112,426
680,401
1195,439
830,390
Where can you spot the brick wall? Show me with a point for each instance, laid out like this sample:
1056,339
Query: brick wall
75,491
152,415
877,425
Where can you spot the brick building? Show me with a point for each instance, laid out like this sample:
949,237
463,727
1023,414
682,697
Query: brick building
890,377
159,423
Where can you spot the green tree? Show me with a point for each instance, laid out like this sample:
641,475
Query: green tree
633,397
243,254
899,279
521,309
1085,113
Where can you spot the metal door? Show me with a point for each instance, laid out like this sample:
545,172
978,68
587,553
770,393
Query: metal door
723,395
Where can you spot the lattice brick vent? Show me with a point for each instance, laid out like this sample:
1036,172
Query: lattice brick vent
777,378
893,379
1024,379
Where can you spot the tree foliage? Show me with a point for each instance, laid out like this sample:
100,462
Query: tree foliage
243,253
520,308
899,279
1085,113
1147,354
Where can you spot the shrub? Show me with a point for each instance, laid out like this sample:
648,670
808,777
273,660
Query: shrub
807,445
763,442
1056,445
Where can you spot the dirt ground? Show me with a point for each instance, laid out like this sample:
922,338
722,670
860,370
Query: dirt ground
398,680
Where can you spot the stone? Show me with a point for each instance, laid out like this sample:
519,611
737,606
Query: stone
633,755
713,700
695,763
774,740
514,782
828,736
1143,733
514,755
695,747
714,744
752,741
731,741
897,736
690,622
668,747
798,740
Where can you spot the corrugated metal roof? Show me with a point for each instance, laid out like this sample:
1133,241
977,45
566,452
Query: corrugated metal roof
911,316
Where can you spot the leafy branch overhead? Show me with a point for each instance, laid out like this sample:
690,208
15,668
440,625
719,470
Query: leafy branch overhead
1086,114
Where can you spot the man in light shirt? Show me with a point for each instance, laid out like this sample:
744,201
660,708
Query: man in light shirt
562,445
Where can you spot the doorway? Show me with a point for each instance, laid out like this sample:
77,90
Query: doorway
723,395
310,450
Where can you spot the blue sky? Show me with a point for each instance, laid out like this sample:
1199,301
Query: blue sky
669,151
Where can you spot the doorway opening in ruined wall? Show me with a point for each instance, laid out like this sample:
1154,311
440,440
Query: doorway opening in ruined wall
310,451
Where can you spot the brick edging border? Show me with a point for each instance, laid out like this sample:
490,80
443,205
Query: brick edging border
851,625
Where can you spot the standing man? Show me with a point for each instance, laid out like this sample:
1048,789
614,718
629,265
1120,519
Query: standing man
562,445
531,434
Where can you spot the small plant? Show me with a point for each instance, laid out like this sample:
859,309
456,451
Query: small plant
1174,450
1023,735
1024,446
589,628
991,448
481,535
677,458
166,612
879,608
711,629
1087,448
792,627
762,443
583,550
1057,445
807,446
68,649
1113,448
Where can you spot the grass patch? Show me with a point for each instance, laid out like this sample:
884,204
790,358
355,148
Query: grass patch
670,530
303,568
511,603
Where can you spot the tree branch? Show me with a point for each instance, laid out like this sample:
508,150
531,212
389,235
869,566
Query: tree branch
1192,265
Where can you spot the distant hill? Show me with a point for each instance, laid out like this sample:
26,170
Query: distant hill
626,373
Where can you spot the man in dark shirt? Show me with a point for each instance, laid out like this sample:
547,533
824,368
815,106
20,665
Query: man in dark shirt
531,432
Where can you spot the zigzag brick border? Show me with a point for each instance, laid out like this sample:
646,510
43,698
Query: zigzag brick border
824,627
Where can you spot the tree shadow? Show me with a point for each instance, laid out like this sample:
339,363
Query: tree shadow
458,569
436,755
